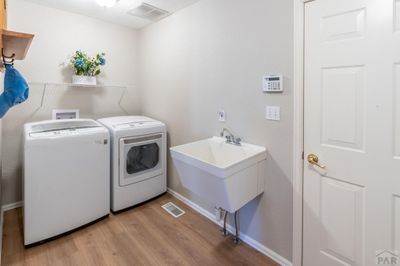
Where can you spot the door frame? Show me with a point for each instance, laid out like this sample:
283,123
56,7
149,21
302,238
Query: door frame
298,129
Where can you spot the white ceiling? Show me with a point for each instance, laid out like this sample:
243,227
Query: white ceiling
117,14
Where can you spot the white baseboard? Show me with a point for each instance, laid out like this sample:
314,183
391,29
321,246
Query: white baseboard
245,238
11,206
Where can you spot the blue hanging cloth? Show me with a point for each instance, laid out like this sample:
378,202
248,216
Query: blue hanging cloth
16,90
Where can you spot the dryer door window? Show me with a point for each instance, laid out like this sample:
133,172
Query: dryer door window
140,158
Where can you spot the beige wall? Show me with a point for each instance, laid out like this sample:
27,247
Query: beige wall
57,35
211,55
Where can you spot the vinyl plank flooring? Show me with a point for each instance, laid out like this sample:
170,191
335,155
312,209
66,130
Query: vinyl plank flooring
145,235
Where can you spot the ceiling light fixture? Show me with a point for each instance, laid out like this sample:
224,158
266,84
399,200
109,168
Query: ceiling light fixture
107,3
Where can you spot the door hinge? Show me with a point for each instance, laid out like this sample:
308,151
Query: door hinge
302,155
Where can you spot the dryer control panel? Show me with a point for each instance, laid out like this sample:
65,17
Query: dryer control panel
136,124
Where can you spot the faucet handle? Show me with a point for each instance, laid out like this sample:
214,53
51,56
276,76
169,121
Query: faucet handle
237,140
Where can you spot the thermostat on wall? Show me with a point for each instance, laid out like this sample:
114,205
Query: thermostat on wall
273,83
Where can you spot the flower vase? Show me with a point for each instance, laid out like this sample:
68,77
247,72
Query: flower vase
83,80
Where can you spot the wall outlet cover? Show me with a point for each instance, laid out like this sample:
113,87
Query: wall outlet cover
221,115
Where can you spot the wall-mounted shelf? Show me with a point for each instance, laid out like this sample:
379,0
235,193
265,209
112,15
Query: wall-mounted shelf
83,86
83,97
16,43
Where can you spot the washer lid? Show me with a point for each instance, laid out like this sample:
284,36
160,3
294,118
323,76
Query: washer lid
62,124
62,128
64,132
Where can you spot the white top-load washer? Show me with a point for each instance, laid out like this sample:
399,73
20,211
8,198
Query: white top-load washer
138,160
66,176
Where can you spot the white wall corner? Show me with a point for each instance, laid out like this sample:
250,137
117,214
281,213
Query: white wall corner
11,206
5,208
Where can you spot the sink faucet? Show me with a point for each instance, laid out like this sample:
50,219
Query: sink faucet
230,138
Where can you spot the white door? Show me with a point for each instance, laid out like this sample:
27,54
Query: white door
352,124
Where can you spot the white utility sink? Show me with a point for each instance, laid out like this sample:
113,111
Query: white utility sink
224,174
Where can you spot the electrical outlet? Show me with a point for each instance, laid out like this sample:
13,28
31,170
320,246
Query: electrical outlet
221,115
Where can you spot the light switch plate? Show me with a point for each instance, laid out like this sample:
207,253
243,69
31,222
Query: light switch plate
273,113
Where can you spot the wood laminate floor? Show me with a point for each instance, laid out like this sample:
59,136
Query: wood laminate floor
145,235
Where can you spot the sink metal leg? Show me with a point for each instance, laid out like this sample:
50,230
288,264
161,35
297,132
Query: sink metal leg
237,239
223,230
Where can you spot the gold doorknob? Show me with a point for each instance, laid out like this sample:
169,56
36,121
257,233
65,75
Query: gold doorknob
313,159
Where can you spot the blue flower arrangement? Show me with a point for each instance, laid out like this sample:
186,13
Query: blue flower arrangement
84,65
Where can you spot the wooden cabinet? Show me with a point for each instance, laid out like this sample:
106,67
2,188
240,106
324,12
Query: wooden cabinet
13,44
16,43
3,14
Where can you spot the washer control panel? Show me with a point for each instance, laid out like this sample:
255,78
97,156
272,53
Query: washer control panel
62,132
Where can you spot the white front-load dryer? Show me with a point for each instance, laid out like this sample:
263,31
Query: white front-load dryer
138,160
66,176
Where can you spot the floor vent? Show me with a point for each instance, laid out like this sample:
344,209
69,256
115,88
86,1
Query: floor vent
173,209
148,12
